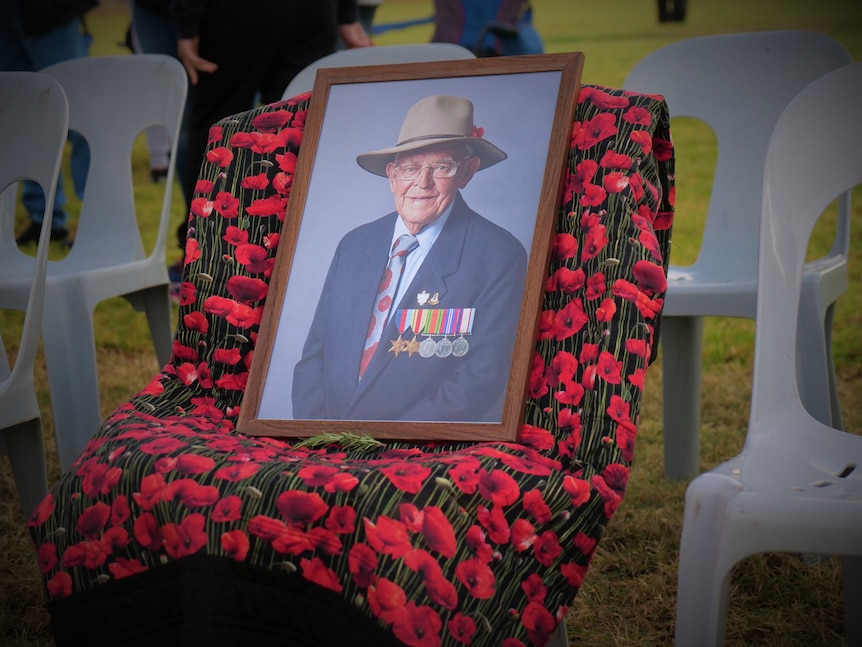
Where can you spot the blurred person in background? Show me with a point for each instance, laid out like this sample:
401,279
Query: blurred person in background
35,34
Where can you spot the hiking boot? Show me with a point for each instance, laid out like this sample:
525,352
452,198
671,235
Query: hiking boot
31,234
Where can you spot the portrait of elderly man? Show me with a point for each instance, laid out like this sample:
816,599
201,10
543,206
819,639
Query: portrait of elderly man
419,309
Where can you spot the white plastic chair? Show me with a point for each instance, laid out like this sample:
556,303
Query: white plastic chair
797,485
112,99
34,118
379,55
738,84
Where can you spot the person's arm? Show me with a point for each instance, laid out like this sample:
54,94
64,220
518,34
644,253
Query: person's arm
349,28
187,16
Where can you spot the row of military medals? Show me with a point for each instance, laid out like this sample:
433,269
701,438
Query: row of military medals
433,322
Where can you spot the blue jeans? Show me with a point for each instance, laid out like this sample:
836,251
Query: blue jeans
29,53
157,35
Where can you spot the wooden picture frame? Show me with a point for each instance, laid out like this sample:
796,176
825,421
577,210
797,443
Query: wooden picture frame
304,378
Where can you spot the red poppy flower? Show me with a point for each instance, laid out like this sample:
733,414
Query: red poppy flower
147,532
602,99
411,516
499,487
232,382
235,236
476,544
253,257
523,535
387,536
538,385
439,589
562,367
465,477
534,588
650,277
47,557
477,576
438,532
536,507
123,567
341,519
606,311
324,541
539,622
235,543
188,293
418,626
314,570
291,137
283,183
386,599
625,436
569,320
228,356
462,628
185,538
574,573
274,204
60,585
566,280
530,464
255,182
569,422
613,160
287,162
594,130
100,479
616,182
228,508
271,121
546,324
594,241
662,149
301,508
220,156
536,437
547,548
494,522
592,196
246,289
226,205
191,493
407,477
362,562
120,510
565,246
237,471
578,490
196,321
215,134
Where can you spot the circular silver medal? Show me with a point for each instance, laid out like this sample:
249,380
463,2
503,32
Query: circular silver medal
427,347
460,347
444,348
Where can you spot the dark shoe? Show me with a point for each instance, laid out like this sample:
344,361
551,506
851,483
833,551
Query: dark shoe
158,174
31,234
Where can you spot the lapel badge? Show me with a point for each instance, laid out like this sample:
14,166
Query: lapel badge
422,298
433,301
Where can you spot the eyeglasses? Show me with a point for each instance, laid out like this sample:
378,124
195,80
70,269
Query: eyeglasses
407,172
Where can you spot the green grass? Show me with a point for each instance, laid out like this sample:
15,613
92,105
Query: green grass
629,595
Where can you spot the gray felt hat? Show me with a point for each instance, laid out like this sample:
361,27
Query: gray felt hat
435,120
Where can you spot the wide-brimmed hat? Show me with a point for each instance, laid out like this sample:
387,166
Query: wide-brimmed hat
435,120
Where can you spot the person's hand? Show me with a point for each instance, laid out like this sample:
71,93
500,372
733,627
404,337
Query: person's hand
187,50
354,35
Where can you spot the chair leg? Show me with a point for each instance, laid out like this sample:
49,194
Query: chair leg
156,303
851,580
70,360
559,638
815,369
26,449
704,569
682,356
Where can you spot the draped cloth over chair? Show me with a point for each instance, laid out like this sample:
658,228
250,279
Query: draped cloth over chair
177,526
34,119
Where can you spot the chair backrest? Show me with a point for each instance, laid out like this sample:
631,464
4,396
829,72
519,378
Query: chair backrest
738,84
380,55
112,100
815,153
34,118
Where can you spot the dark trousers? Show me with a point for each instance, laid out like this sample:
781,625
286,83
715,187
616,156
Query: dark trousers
259,46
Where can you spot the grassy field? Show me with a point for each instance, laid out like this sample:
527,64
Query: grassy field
629,595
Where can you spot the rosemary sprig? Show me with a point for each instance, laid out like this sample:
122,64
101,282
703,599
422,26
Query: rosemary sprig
346,439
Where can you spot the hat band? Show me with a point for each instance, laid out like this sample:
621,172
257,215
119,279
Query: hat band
424,137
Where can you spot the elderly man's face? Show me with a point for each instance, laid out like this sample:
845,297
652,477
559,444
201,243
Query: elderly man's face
422,200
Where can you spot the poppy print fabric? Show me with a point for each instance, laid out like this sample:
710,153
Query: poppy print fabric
169,511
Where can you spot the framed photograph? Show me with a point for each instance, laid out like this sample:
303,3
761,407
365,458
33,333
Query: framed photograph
405,295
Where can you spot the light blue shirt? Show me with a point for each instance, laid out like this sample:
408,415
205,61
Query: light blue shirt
426,236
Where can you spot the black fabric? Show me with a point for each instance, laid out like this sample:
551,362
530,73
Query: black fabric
213,601
41,16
